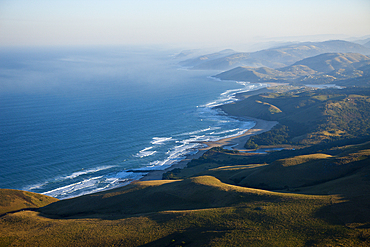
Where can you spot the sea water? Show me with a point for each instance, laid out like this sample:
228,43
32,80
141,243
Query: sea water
76,121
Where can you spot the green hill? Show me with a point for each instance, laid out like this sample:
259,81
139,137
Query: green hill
308,116
339,170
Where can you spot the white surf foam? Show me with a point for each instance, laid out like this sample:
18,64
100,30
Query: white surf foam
224,132
69,177
69,189
84,172
160,140
145,152
177,154
229,95
94,184
200,131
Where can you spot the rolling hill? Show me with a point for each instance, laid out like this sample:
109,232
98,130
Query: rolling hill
310,116
320,69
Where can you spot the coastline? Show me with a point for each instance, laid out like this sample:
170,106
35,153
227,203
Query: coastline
236,142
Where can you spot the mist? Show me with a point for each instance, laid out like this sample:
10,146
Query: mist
76,70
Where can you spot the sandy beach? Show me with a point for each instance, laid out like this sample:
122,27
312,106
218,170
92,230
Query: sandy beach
236,143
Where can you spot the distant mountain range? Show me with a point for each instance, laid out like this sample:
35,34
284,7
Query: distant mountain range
323,68
276,57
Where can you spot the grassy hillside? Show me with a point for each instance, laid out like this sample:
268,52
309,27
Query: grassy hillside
199,211
338,170
279,170
13,200
308,116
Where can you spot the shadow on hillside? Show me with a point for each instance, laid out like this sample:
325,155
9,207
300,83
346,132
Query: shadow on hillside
348,212
202,236
354,204
138,200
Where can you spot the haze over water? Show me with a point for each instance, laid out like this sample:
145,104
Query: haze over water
74,120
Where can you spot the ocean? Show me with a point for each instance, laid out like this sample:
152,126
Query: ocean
75,120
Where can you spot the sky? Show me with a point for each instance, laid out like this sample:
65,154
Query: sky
177,22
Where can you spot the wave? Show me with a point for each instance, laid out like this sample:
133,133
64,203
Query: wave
94,184
160,140
34,186
229,95
68,189
69,177
175,155
84,172
224,132
199,131
145,152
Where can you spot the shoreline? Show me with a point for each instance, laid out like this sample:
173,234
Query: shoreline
236,143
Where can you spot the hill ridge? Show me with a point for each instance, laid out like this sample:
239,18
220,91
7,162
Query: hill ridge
321,69
276,57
